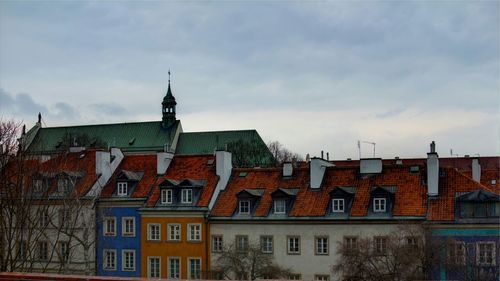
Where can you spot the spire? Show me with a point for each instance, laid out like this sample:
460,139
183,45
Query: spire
168,107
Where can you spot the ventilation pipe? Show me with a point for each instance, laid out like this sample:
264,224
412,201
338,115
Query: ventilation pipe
476,170
432,171
317,169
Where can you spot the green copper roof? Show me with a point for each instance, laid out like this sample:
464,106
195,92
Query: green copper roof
138,136
247,146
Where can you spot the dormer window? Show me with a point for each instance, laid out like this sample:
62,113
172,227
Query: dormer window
166,196
37,186
244,207
338,205
479,204
187,196
280,206
379,205
122,189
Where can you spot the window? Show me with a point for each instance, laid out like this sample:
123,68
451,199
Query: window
380,245
241,243
479,210
293,245
64,217
64,251
166,196
456,253
245,207
154,267
379,204
128,226
321,245
128,260
174,232
194,232
21,250
321,277
174,268
43,251
194,268
280,206
217,243
295,277
187,196
63,185
109,260
351,242
122,189
44,218
109,226
485,253
338,205
266,244
154,231
37,186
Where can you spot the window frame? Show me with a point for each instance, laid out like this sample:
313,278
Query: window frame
122,186
382,207
384,241
196,235
245,245
264,243
165,195
44,219
456,252
240,207
184,197
338,209
288,245
105,230
64,216
177,232
43,248
276,206
321,277
149,266
189,273
350,242
217,247
64,245
63,185
317,247
124,260
105,256
151,233
179,269
124,227
492,253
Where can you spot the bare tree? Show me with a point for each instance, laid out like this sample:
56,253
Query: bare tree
405,254
282,154
248,264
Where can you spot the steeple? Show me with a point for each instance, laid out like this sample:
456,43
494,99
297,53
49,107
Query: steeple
168,107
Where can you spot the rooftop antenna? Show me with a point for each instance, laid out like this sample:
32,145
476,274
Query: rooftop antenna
451,153
368,142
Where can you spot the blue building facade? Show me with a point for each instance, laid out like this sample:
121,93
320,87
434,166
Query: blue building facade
118,249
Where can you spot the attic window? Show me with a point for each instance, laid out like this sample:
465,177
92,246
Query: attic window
280,206
122,189
493,182
37,186
379,204
210,162
58,144
244,207
63,185
338,205
131,141
243,174
414,169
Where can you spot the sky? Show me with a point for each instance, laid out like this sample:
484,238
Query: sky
313,75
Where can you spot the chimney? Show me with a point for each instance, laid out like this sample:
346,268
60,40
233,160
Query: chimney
105,165
476,169
317,170
370,166
163,160
432,171
322,154
102,162
328,156
223,169
287,169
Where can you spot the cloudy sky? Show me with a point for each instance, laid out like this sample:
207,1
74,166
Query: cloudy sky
313,75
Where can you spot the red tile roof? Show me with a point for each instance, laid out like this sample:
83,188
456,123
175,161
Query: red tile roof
194,167
145,163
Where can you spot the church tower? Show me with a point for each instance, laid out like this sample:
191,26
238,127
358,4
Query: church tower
168,107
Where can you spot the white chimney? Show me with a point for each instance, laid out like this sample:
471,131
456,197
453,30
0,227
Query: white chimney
370,166
223,169
104,168
432,171
476,170
102,162
163,160
317,169
287,169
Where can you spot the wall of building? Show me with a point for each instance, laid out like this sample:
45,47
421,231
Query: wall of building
307,263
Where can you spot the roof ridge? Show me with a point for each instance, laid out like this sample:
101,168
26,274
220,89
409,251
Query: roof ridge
222,131
106,124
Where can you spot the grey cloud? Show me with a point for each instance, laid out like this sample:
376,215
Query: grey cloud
21,104
65,111
109,109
